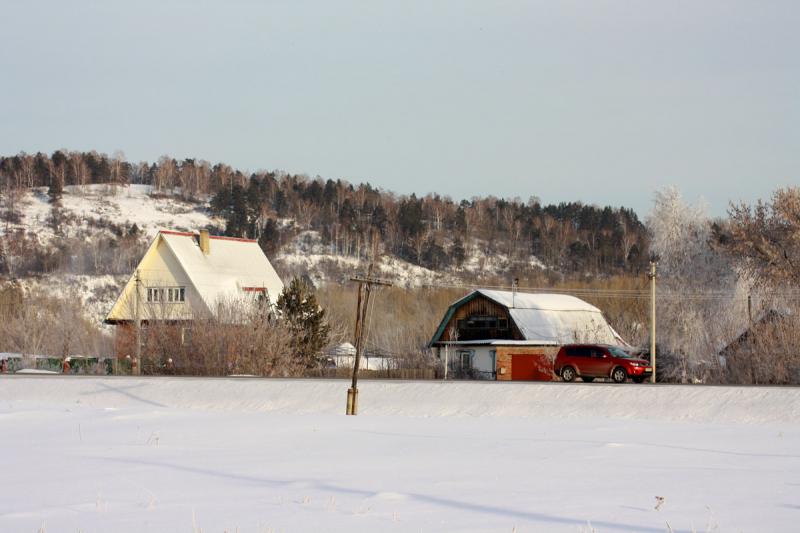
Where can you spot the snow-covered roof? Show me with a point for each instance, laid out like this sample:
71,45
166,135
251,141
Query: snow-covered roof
547,318
231,269
500,342
539,301
231,266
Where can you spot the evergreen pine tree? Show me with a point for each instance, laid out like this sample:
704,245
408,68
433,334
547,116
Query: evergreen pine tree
306,319
270,238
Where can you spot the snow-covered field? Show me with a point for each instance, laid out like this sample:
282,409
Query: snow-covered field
214,455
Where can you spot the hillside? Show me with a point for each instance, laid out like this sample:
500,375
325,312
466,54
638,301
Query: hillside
42,257
76,223
434,232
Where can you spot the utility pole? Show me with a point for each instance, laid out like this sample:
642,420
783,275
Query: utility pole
365,285
652,276
138,360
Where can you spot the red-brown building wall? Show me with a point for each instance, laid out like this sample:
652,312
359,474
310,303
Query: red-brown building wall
541,365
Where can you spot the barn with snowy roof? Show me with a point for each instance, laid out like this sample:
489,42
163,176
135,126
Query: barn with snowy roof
186,276
511,335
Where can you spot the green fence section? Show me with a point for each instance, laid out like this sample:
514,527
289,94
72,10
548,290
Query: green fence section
76,364
109,366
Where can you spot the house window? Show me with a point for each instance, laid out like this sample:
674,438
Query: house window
166,294
465,359
483,327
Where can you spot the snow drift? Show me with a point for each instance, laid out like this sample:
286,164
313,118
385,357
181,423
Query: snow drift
418,399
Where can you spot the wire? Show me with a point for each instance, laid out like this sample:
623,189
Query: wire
369,319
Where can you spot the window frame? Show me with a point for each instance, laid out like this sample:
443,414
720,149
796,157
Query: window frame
465,356
170,295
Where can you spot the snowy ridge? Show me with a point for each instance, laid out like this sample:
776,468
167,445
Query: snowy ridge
123,204
308,252
749,405
86,209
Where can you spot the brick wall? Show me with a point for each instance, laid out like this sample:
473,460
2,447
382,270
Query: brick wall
504,358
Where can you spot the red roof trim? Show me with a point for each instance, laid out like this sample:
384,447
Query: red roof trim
254,289
218,237
181,233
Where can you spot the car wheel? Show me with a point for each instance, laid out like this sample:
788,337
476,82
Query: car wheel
638,379
619,375
568,373
587,379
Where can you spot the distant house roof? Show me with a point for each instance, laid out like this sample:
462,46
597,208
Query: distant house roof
545,318
769,316
232,267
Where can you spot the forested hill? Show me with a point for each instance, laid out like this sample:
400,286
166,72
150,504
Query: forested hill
432,231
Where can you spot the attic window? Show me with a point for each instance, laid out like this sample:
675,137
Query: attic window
166,294
483,327
483,322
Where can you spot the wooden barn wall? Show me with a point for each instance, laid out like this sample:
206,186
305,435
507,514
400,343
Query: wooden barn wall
480,305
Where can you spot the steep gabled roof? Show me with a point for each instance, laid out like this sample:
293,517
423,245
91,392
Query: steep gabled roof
232,269
232,265
547,318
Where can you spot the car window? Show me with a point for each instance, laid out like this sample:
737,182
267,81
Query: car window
579,352
619,352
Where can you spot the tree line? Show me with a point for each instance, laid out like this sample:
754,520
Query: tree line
433,231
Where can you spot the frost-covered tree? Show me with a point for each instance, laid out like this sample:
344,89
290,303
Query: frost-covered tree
679,236
697,301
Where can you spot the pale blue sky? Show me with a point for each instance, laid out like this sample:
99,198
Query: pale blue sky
599,101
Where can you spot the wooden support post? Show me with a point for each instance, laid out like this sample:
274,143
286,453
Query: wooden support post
652,277
135,367
365,285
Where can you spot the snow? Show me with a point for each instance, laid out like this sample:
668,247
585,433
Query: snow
553,318
308,252
97,293
230,267
168,454
543,302
232,270
124,204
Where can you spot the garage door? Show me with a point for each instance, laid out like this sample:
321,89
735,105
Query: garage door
531,367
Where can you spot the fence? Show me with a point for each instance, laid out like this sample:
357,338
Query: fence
76,364
84,365
389,373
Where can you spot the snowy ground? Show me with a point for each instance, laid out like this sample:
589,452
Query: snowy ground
126,204
163,454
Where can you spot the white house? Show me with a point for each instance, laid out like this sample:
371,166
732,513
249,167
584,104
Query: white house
185,276
344,355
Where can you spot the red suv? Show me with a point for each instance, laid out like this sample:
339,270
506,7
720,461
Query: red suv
589,361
